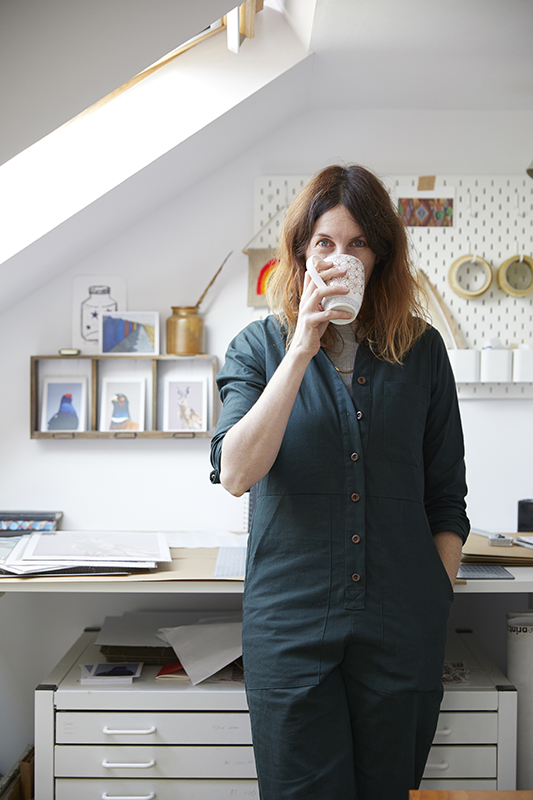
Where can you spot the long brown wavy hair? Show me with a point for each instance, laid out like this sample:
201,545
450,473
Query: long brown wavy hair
391,318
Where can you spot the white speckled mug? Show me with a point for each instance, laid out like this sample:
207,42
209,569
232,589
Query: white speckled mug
354,280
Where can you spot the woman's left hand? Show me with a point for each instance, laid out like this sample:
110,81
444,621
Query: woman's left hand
450,547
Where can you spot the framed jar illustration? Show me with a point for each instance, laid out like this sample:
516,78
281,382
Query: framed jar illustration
94,295
98,301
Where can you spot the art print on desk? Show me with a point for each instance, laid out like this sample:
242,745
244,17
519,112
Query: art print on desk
96,546
129,333
64,405
185,405
122,404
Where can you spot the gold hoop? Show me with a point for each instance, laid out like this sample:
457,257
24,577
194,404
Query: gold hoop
504,284
470,259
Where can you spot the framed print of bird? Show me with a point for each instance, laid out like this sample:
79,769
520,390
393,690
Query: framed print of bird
122,404
64,404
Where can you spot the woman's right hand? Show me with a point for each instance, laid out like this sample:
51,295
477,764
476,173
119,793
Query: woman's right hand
251,447
312,319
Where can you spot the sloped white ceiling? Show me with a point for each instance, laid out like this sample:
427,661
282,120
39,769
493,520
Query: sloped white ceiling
369,54
424,54
58,57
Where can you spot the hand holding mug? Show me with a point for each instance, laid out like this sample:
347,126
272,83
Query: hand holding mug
354,281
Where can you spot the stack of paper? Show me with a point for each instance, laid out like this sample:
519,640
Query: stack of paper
82,552
133,636
477,550
204,642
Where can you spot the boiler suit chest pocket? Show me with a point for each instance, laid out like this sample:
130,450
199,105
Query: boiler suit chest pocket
405,407
286,591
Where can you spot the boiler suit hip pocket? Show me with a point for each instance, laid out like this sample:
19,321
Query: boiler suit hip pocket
287,590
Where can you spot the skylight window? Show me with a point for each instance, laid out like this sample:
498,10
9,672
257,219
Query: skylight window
162,107
239,24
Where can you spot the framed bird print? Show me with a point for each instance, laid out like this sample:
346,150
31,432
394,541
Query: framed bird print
122,404
64,404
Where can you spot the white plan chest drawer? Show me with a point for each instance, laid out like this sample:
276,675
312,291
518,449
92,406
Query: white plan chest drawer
169,761
456,761
467,727
187,727
72,789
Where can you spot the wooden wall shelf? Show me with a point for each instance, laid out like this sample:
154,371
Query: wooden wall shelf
94,368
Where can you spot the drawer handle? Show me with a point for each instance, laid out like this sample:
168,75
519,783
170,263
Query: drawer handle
111,765
113,731
107,796
443,731
442,766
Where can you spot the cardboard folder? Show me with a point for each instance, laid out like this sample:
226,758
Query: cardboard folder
477,550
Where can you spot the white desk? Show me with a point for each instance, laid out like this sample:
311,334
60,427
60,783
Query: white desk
523,583
96,586
202,586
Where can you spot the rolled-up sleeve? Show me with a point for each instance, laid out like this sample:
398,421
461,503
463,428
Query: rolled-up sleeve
240,382
444,463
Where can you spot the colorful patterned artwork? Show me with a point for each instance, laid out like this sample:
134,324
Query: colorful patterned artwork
426,212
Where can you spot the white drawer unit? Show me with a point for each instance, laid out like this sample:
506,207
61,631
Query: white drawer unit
475,743
165,740
149,740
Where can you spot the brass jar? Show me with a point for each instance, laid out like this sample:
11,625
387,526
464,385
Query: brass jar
185,331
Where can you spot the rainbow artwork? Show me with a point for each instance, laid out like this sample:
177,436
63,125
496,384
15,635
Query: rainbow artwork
262,262
264,276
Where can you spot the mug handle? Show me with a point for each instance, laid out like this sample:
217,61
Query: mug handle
312,270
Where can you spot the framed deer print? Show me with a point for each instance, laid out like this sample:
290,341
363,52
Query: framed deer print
185,404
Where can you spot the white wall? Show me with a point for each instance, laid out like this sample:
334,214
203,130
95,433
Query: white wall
168,260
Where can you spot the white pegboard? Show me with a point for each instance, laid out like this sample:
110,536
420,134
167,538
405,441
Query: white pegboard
493,218
272,195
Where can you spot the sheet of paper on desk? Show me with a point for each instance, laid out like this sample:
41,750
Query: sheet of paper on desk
206,539
205,649
231,562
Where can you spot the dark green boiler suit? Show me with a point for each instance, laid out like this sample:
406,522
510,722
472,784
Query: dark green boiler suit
346,600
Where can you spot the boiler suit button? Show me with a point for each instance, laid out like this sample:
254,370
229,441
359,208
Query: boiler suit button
359,415
355,456
361,380
356,538
355,497
356,577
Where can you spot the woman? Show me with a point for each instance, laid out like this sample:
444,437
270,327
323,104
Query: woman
354,436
